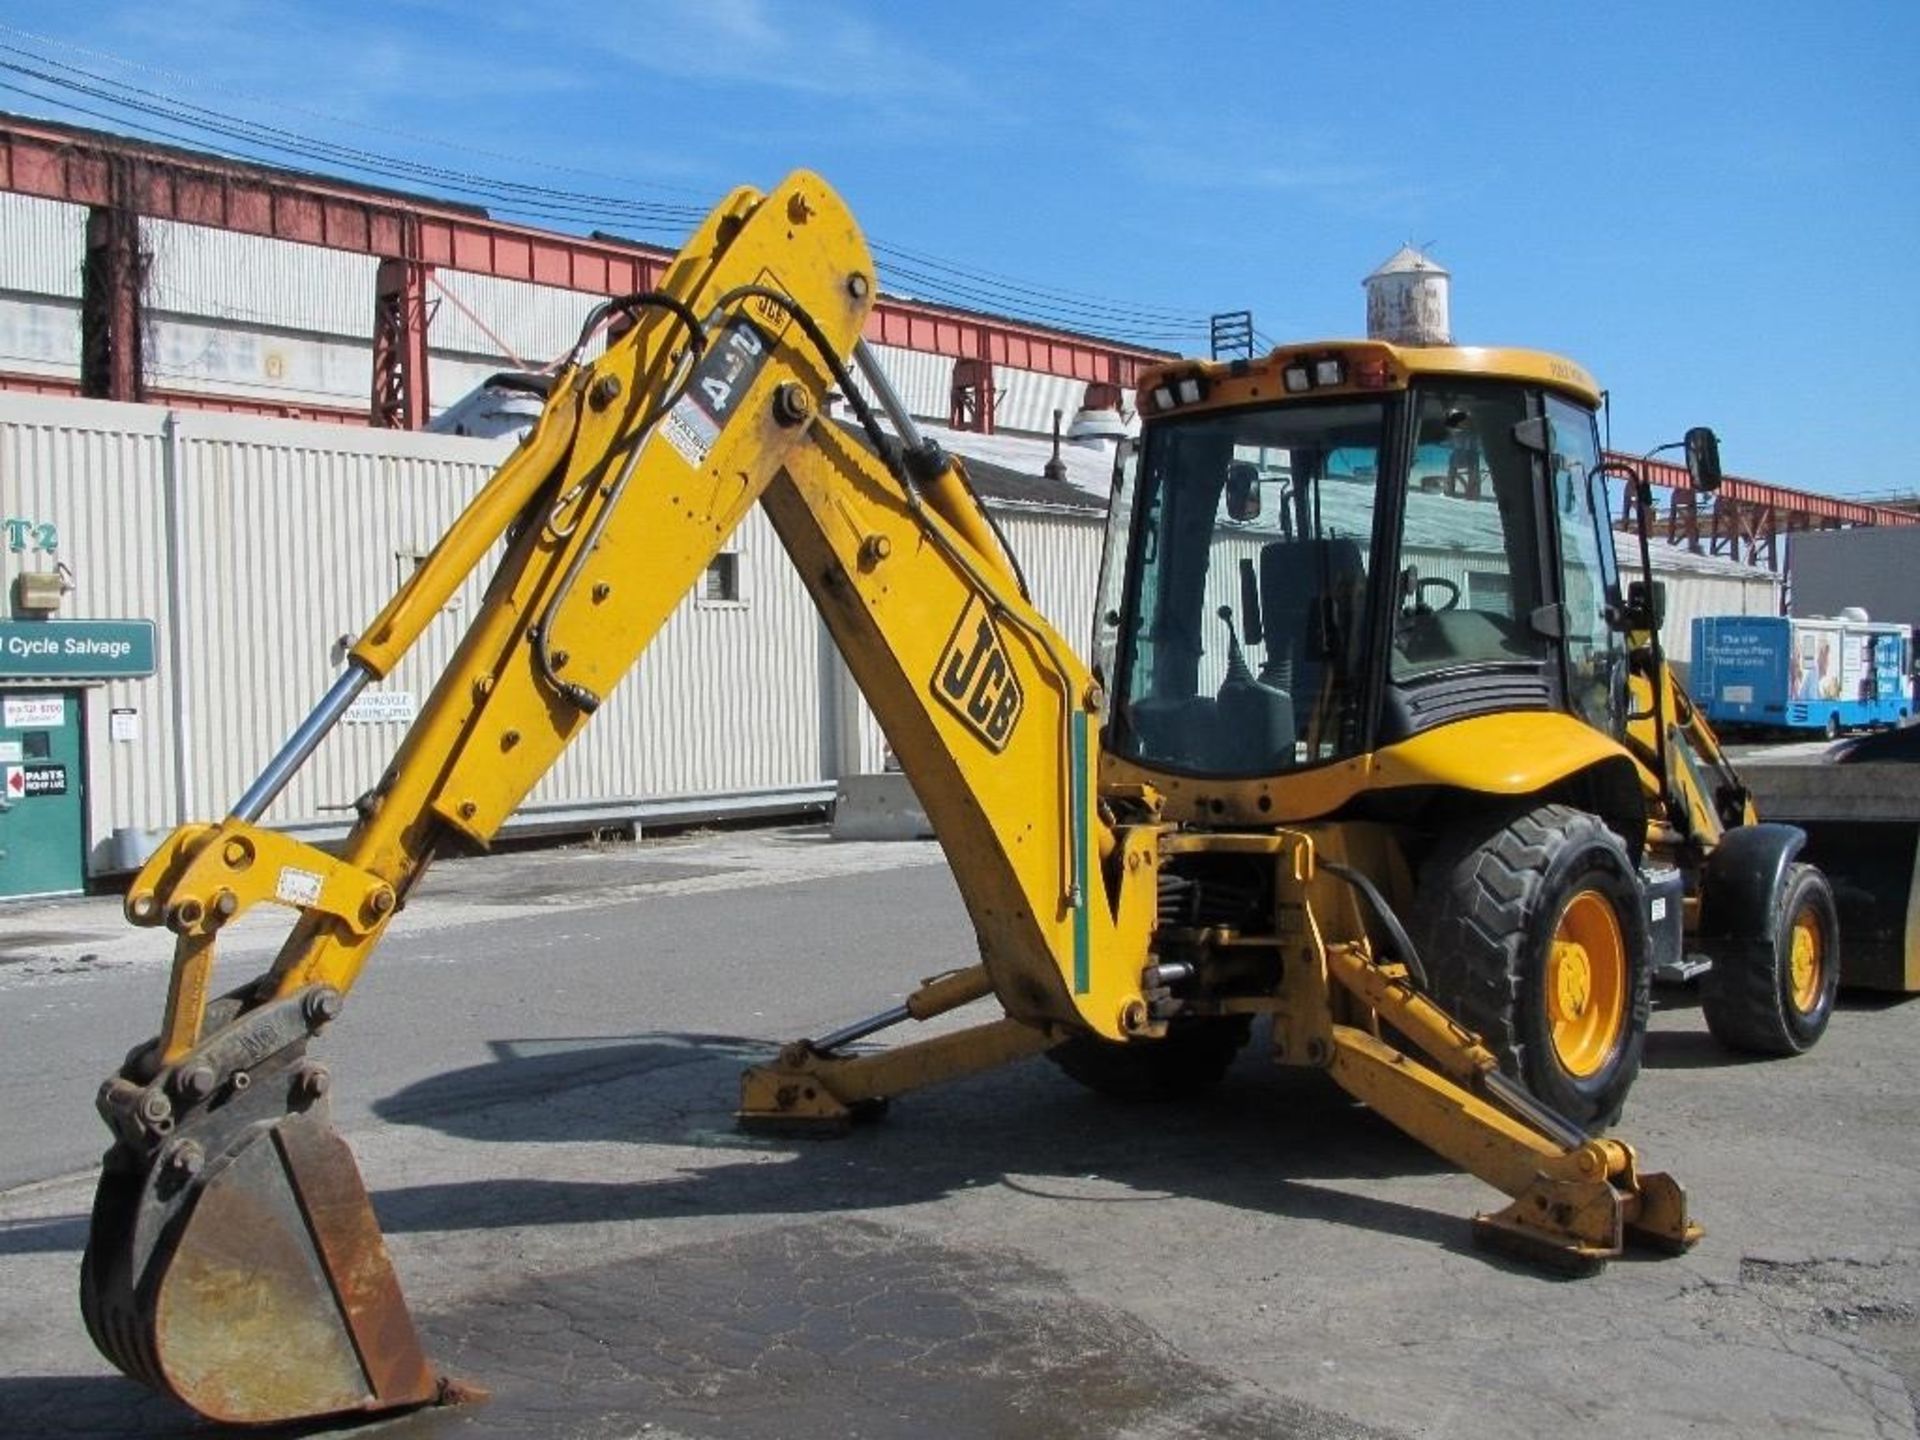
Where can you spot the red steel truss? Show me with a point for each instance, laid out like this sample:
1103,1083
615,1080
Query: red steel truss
1744,519
114,175
102,171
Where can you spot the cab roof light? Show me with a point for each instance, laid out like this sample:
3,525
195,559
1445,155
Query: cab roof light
1178,390
1298,379
1331,371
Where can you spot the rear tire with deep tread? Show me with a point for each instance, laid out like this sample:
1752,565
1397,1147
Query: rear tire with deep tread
1750,996
1189,1060
1495,899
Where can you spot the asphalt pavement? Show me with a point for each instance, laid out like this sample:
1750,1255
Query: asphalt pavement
537,1074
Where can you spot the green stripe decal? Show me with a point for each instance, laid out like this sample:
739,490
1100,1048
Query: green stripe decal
1081,959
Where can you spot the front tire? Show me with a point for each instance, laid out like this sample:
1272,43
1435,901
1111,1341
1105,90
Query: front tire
1774,996
1535,936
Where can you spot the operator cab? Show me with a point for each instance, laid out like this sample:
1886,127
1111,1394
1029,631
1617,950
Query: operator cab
1331,550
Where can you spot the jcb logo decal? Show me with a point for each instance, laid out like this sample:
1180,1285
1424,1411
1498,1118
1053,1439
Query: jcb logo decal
975,678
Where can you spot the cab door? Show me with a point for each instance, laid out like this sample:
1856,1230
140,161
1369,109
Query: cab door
1589,580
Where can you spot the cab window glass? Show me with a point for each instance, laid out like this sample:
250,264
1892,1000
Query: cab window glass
1581,517
1469,550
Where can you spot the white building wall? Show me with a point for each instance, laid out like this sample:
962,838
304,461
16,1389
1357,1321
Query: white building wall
97,472
274,541
291,324
258,545
46,243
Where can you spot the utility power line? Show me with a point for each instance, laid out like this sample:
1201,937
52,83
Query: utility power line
52,81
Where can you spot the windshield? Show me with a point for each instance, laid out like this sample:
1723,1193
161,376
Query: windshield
1239,651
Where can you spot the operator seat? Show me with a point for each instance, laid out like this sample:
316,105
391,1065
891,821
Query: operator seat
1309,598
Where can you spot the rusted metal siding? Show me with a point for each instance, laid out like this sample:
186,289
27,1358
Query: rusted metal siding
97,472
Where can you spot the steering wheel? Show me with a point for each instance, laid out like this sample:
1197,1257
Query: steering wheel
1449,600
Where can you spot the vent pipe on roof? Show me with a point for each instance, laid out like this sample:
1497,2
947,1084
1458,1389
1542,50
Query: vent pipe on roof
1056,468
1407,301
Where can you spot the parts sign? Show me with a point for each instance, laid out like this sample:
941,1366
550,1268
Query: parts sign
21,781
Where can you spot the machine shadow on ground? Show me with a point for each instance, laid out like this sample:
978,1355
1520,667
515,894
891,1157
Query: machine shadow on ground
1286,1134
1689,1046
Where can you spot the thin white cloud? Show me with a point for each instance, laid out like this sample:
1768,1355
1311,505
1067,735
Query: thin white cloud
1265,162
817,48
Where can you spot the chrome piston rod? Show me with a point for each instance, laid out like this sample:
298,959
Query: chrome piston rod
889,398
860,1029
302,743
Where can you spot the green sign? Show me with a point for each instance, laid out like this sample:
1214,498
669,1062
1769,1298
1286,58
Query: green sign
75,649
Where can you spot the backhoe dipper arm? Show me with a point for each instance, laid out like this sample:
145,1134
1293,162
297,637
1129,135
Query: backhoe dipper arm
231,1222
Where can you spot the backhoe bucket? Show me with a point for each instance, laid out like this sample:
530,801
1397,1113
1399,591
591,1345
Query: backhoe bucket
234,1261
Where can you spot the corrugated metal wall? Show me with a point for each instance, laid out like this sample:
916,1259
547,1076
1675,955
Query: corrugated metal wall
46,246
273,541
258,545
1024,399
98,473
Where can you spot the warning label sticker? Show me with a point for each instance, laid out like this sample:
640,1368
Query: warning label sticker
297,886
689,431
720,382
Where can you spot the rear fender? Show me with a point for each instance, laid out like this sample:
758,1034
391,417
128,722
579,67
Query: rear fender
1742,879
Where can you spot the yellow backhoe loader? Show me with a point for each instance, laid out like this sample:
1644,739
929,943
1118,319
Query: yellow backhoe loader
1373,747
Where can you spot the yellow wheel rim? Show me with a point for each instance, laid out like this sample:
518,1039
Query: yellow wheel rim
1807,962
1586,984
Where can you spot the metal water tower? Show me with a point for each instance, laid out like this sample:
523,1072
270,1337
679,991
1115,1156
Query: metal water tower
1407,301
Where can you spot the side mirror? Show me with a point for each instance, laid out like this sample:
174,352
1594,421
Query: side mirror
1703,458
1243,490
1534,435
1646,610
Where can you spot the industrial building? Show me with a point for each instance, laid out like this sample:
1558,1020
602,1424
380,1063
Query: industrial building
1876,569
230,535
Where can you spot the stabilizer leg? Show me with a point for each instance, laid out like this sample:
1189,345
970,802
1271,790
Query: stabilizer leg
1574,1207
807,1092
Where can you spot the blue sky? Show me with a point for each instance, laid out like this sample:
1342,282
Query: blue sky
1715,207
